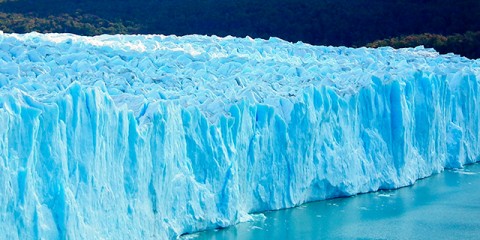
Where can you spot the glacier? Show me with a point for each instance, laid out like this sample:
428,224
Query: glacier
152,136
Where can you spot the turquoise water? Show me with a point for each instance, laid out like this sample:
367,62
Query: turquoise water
444,206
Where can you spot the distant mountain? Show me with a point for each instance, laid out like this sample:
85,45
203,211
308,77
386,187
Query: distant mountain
326,22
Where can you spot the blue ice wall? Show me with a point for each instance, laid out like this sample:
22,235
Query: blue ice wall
150,137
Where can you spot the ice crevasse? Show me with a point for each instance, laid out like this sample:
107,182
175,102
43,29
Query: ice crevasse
151,136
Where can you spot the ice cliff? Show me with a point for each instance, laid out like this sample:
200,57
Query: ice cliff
150,137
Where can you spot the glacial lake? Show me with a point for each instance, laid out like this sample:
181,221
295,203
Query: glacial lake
444,206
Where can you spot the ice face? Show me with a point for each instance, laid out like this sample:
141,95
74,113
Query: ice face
156,136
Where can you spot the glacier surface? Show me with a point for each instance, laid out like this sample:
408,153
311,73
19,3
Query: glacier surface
150,137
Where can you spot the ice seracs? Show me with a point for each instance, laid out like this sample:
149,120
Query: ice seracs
156,136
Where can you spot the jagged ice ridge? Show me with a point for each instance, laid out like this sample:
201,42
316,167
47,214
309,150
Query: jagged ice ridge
155,136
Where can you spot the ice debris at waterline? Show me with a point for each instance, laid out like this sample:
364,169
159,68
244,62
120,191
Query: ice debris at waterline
153,136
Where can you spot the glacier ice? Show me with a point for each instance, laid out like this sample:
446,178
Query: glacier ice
155,136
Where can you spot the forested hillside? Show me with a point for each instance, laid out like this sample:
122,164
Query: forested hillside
326,22
467,44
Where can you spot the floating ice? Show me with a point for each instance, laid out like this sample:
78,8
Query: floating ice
150,137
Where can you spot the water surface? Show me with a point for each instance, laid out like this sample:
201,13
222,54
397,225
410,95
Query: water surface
444,206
